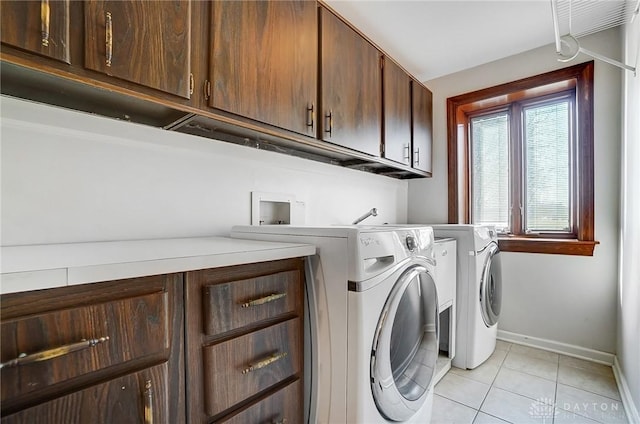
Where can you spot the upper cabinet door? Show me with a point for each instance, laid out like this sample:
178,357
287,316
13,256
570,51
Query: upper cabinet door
351,87
40,27
397,113
145,42
422,127
264,61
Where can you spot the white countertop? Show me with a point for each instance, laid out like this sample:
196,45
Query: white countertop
35,267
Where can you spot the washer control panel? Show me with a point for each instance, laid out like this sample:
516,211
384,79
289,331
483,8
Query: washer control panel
411,243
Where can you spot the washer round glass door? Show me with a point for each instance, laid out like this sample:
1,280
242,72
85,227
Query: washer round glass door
491,286
405,346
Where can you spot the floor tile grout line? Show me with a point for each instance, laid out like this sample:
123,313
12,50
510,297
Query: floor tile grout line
591,391
493,380
534,375
491,386
459,403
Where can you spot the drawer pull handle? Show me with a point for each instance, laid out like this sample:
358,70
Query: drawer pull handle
45,13
265,362
25,359
263,300
109,39
148,403
282,421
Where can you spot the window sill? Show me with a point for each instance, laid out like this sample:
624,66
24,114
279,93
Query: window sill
552,246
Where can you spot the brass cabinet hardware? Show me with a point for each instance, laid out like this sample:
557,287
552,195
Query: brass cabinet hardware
109,38
417,155
46,355
191,84
207,89
45,13
148,403
310,116
263,300
264,362
329,123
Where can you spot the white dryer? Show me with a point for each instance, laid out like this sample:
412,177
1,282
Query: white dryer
478,290
372,340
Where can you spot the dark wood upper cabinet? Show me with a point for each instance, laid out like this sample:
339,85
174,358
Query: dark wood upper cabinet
351,87
40,27
422,127
264,61
397,113
145,42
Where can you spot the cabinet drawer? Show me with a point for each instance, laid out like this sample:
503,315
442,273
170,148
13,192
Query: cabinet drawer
238,304
283,406
274,353
122,400
136,327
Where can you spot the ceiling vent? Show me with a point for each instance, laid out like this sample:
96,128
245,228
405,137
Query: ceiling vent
577,18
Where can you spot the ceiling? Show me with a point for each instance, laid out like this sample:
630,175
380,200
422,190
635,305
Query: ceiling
432,38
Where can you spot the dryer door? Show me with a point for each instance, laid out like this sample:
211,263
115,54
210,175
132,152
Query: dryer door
491,286
405,347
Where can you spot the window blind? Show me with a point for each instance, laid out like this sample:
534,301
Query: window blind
490,170
546,150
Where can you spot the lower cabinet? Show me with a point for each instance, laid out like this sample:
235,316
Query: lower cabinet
141,397
114,352
248,367
284,406
100,353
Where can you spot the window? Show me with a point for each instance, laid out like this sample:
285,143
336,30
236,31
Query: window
521,159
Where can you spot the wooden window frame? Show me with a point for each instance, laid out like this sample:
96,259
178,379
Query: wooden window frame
578,79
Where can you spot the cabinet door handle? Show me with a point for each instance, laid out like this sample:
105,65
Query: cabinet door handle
407,157
148,403
109,38
263,300
310,116
45,13
264,362
46,355
206,88
444,253
329,123
417,155
282,421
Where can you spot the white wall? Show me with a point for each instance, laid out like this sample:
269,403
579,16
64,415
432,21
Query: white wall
561,298
73,177
628,351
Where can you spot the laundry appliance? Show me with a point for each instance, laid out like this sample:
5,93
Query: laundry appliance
478,290
371,340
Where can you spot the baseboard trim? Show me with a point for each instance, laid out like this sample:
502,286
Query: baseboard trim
558,347
627,400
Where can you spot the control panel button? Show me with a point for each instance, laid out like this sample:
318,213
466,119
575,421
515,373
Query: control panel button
411,243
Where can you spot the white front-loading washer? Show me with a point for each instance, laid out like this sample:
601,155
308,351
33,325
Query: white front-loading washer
478,289
372,338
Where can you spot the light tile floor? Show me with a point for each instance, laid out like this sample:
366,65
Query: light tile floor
520,385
